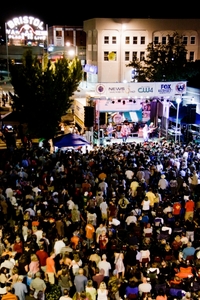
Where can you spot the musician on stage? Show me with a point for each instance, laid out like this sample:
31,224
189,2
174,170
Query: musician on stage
110,130
145,132
151,130
124,132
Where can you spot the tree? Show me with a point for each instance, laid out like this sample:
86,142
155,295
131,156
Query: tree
43,91
165,62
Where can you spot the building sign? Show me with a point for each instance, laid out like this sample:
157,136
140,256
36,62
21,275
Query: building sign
26,27
138,89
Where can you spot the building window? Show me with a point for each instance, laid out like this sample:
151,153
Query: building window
127,55
142,40
134,40
185,40
111,56
191,56
127,39
106,53
171,39
192,40
106,39
156,40
164,40
114,40
134,55
58,33
115,55
142,55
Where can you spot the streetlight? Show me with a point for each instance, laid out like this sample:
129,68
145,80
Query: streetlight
71,52
178,101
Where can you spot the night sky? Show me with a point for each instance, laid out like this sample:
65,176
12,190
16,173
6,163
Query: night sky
75,12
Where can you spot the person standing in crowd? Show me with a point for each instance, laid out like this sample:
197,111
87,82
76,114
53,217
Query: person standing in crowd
38,285
50,268
106,266
20,288
80,281
9,295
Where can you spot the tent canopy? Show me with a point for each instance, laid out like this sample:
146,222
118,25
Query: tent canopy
70,140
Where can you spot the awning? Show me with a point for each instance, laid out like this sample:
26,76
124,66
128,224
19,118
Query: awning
132,116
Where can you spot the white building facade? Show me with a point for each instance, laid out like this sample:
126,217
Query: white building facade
112,43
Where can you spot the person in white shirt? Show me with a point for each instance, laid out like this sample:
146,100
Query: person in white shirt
70,203
129,174
131,219
106,266
59,244
104,210
65,295
144,287
9,193
7,263
103,186
163,183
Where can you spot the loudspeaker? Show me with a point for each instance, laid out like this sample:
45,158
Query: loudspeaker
191,114
88,116
102,119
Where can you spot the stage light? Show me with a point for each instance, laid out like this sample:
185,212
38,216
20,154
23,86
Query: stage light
113,102
119,100
124,102
130,100
134,101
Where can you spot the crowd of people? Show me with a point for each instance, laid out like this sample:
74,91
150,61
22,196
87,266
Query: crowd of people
116,222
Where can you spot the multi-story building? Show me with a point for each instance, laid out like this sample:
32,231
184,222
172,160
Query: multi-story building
67,38
112,43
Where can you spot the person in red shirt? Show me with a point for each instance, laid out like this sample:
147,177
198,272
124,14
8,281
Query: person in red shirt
176,209
18,245
189,208
42,256
103,241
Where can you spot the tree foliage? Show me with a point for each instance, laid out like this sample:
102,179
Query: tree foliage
165,62
43,91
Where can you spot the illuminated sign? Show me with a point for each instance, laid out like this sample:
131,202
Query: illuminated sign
26,27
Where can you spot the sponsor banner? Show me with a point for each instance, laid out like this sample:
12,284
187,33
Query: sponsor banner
141,89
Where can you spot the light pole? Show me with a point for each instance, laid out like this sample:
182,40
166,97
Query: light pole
178,101
8,70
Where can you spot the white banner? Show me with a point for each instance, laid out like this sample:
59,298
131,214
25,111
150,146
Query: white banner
141,89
